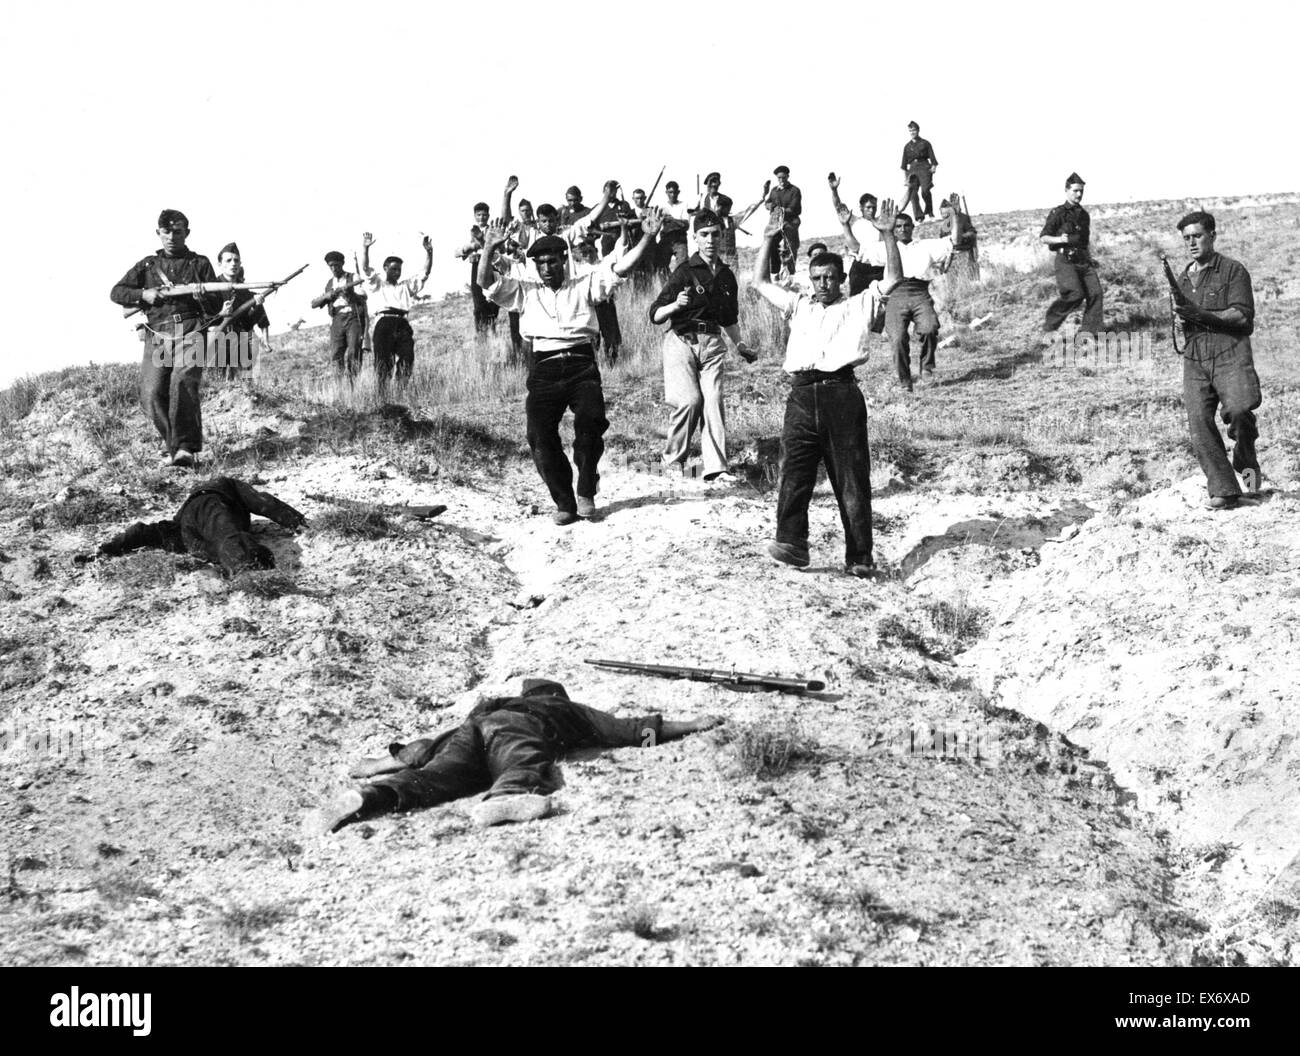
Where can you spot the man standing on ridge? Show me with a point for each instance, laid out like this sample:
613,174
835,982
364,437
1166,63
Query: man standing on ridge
919,164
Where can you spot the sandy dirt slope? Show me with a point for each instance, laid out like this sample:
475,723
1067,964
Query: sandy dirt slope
213,718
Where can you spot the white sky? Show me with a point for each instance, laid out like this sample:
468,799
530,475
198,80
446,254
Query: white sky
290,128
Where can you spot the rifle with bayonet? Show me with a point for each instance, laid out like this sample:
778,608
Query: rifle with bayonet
732,678
656,185
246,309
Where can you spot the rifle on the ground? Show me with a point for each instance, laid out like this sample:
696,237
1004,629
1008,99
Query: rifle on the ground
733,678
246,309
420,513
198,289
1177,299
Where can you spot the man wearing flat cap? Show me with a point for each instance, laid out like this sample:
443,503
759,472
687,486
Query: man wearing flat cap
557,305
919,164
785,196
1067,232
347,308
171,370
700,304
390,298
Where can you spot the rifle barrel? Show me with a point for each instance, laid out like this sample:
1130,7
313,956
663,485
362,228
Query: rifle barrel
720,675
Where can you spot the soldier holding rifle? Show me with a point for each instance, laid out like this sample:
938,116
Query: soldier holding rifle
1216,304
171,370
347,308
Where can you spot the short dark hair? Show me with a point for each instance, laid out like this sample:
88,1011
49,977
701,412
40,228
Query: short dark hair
904,216
639,190
812,250
826,258
334,256
671,185
574,191
391,260
525,201
172,216
867,198
1198,217
713,176
781,170
547,211
482,207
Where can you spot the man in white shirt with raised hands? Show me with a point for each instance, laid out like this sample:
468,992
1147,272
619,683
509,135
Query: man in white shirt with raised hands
825,414
557,306
390,299
910,302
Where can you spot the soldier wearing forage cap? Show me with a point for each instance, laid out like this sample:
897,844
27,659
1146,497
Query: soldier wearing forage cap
171,371
347,308
788,198
1067,232
919,164
243,320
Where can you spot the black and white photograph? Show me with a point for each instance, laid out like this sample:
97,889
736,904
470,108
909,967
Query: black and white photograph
605,485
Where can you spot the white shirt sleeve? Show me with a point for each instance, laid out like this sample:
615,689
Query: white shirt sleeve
785,301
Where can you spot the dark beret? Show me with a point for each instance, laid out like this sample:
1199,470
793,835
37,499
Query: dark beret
334,255
548,244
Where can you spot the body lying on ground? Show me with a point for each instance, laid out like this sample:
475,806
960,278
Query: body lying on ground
508,747
212,524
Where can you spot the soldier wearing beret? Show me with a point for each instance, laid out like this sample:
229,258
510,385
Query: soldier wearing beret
1067,232
789,199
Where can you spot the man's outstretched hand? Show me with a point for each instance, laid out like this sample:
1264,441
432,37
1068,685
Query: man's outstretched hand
886,213
775,222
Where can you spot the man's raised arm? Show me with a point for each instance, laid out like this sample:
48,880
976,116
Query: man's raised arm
367,240
884,223
512,185
427,242
493,237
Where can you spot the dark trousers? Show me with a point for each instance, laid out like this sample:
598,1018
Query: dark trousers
920,179
170,377
346,330
910,304
554,386
863,275
789,244
611,336
826,421
485,311
1228,384
1077,284
507,752
211,529
394,344
516,339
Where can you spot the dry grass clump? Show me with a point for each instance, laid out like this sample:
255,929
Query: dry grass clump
958,621
138,572
767,748
357,522
268,583
87,508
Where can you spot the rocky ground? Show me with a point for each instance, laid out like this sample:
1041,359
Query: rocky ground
1060,732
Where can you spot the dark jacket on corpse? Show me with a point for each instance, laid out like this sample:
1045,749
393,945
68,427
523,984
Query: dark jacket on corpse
212,524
